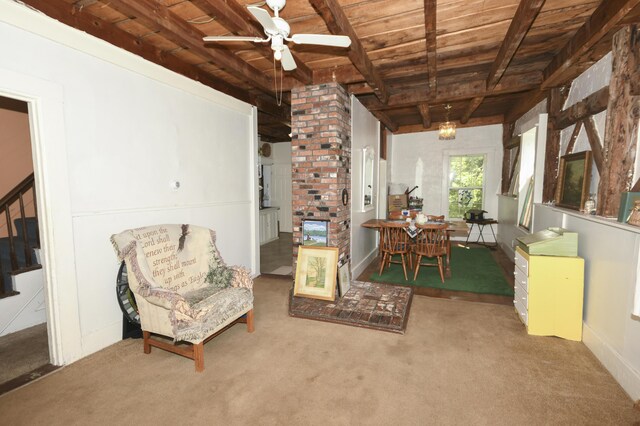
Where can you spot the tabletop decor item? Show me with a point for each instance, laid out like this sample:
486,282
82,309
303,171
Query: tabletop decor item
316,272
634,216
574,180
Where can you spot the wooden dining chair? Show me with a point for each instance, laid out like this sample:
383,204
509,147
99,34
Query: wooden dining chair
395,241
435,218
431,243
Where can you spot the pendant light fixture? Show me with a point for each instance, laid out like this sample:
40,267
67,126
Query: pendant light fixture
448,128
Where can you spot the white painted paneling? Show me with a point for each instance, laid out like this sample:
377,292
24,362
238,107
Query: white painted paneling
113,131
25,309
281,184
364,132
508,230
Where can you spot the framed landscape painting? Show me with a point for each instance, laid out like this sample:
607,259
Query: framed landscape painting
316,272
574,180
315,232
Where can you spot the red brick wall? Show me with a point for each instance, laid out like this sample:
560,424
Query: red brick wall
321,162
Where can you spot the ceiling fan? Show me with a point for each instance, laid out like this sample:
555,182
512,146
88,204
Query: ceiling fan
277,32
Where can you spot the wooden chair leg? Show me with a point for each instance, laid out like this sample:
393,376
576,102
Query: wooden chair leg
418,259
440,267
145,342
198,356
382,262
404,266
250,327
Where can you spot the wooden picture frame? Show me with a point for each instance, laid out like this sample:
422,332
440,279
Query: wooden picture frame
344,279
574,179
316,272
315,232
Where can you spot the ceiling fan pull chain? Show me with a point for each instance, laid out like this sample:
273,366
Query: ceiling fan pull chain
275,83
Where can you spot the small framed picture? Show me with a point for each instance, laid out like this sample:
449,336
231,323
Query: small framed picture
316,272
315,232
573,180
344,279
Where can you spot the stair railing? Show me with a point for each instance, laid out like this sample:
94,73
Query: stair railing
17,194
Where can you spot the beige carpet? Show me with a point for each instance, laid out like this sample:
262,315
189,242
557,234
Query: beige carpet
458,363
23,352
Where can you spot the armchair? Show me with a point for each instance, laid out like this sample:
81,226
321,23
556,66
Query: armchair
182,287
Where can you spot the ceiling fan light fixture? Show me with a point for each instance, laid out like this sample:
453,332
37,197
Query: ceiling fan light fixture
447,129
277,55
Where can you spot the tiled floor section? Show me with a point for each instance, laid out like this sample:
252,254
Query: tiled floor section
276,254
370,305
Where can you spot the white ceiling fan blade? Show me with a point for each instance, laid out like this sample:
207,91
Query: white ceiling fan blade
322,39
288,63
264,18
232,38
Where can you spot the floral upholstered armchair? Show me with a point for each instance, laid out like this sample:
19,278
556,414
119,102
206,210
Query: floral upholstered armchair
182,287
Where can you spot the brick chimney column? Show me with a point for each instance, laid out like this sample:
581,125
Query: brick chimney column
321,162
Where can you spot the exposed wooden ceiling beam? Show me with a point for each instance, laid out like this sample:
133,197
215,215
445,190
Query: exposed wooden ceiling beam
430,38
269,106
457,91
474,122
609,14
527,101
386,120
338,23
526,13
591,105
473,105
76,18
238,20
182,33
425,113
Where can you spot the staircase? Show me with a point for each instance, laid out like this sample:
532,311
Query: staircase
17,248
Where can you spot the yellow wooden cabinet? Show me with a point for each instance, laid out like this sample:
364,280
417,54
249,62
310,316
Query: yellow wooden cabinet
549,294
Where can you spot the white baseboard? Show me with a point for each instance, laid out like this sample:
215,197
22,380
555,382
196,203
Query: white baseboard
619,368
356,270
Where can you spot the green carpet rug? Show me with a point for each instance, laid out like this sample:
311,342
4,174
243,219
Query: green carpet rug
473,270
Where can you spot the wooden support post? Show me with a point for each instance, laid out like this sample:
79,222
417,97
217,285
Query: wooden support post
557,98
621,132
594,141
507,132
574,138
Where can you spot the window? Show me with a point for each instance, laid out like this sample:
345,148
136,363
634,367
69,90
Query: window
466,184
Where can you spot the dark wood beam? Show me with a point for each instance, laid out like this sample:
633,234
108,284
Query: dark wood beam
474,122
430,24
605,18
184,34
425,113
594,142
527,101
237,19
79,19
591,105
621,132
269,106
555,104
473,105
457,91
526,13
338,23
507,135
386,120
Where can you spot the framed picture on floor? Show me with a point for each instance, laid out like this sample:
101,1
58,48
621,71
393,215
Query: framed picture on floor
316,272
344,279
315,232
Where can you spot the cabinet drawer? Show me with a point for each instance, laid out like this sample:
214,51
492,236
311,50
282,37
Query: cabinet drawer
522,312
522,263
521,295
521,279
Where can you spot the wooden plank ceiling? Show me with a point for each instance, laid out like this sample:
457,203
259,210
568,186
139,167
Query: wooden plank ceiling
489,59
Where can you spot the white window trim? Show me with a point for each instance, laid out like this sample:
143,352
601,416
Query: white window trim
445,182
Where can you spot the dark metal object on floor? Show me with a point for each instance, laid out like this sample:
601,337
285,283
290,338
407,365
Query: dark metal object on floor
126,299
481,224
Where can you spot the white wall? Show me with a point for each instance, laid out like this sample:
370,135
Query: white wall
365,131
422,159
112,132
281,183
610,251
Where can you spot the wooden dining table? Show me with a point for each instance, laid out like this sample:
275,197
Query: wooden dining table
455,227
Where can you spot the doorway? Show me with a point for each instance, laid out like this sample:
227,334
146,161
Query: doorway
24,342
276,237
